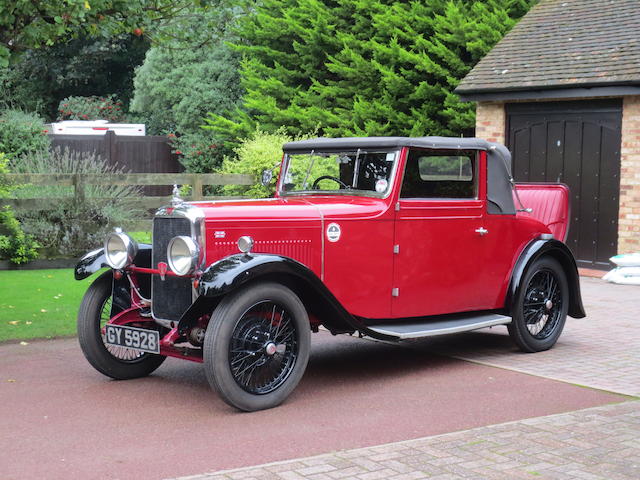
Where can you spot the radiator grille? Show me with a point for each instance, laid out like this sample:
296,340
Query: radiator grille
173,295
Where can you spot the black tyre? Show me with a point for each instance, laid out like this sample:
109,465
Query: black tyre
256,346
116,362
540,309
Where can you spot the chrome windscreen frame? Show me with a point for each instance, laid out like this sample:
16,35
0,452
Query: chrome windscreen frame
196,219
362,193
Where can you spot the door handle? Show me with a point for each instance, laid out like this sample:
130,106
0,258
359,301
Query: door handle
482,231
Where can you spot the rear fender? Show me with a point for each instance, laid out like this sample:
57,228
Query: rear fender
559,251
237,271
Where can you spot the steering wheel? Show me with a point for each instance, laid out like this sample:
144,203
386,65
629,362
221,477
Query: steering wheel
328,177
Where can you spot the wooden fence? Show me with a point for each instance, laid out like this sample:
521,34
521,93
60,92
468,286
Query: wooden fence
80,181
133,154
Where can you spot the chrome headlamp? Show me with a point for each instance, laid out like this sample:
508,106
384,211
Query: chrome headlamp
120,249
182,255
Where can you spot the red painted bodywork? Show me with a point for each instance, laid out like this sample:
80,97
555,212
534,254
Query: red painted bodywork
550,205
443,264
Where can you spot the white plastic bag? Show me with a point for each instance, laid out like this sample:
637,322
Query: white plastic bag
627,260
624,275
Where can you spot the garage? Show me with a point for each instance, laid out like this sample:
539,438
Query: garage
577,143
562,91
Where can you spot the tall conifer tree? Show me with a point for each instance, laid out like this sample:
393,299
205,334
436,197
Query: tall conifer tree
363,67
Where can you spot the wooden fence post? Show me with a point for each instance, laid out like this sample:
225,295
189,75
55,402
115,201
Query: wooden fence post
196,186
78,188
110,139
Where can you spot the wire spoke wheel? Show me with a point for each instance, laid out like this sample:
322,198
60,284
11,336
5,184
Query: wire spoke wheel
263,348
257,345
542,306
116,362
121,353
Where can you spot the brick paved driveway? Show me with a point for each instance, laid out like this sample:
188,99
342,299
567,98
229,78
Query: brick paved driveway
601,351
600,443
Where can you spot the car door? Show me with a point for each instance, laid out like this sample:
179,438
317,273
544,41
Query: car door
439,237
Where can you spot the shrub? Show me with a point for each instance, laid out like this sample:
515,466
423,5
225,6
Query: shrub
68,227
22,133
261,151
198,152
91,108
5,184
14,243
16,246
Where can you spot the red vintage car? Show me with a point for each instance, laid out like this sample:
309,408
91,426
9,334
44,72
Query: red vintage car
385,237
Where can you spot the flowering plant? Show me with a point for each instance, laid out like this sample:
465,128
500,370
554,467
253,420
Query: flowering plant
197,152
91,108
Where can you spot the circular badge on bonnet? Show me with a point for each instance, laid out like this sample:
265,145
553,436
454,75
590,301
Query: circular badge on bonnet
333,232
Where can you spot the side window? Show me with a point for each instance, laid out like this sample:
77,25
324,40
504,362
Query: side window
440,174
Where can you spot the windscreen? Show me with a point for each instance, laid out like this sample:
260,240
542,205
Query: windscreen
354,172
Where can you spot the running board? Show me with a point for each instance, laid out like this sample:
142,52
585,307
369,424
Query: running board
452,324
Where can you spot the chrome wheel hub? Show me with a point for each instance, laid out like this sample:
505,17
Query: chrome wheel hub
270,348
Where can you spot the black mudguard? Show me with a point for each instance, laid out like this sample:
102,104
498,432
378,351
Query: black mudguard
90,263
558,250
95,260
231,273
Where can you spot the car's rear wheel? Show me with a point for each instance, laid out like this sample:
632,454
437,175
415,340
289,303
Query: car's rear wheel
540,309
116,362
257,346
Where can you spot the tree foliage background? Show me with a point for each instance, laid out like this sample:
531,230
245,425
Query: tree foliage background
184,78
362,67
40,78
28,25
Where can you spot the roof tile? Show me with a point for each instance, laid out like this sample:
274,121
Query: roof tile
564,43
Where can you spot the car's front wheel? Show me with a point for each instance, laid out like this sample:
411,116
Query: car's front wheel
257,346
540,309
116,362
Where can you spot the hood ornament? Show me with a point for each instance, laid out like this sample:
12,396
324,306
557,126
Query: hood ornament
176,200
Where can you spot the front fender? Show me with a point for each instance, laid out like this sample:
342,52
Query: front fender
558,250
94,260
233,272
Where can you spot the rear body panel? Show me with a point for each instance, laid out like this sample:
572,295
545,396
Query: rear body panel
549,203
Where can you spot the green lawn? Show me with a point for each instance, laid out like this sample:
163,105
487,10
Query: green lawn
39,303
43,303
140,237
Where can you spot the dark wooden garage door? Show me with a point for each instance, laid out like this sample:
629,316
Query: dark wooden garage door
577,143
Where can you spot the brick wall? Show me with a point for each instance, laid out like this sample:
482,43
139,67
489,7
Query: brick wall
629,217
490,121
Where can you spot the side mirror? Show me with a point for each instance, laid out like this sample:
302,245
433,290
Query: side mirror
267,175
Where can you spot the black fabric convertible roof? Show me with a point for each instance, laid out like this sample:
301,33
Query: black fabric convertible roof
386,142
499,195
